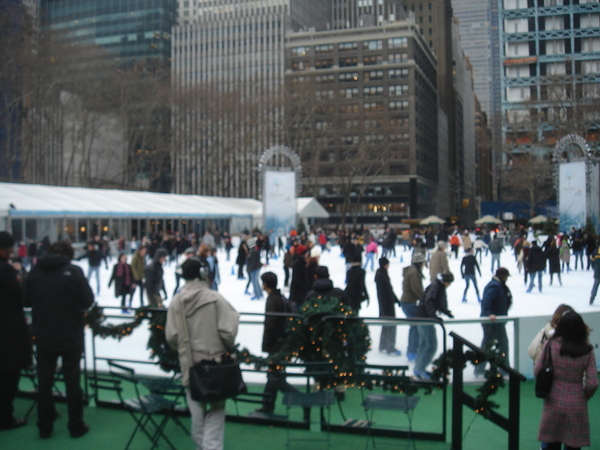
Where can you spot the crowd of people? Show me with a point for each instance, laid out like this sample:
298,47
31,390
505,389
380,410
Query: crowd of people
423,296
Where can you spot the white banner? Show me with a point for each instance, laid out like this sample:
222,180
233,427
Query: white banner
279,202
572,195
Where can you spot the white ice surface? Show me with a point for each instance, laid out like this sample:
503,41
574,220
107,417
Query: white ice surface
574,291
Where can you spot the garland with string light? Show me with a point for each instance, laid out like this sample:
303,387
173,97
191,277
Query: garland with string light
341,341
493,378
157,343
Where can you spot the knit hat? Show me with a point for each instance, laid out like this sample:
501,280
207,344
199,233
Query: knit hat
447,277
501,272
315,252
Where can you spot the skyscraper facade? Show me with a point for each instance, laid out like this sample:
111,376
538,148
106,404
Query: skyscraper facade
363,116
228,66
550,78
129,30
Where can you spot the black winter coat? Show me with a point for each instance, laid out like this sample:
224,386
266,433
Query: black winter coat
121,286
385,294
154,278
58,294
355,287
15,342
553,259
300,285
274,325
536,260
434,299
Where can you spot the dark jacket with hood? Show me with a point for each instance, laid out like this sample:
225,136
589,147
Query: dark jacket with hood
274,325
496,298
385,294
154,274
58,294
434,299
355,287
536,259
15,342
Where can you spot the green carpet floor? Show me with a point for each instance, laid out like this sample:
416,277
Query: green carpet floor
110,429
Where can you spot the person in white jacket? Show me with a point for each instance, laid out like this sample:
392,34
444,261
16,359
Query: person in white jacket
546,333
211,324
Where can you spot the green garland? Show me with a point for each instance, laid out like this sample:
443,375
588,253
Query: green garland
342,342
157,344
493,378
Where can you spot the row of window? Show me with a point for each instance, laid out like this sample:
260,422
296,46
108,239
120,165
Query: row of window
349,77
368,91
374,44
351,61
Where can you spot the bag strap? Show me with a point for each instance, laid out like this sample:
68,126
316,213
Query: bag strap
548,351
186,337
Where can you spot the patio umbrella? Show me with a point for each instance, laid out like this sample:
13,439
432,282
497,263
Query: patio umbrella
431,220
538,219
487,219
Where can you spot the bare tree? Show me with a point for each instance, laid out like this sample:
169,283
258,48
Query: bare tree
348,152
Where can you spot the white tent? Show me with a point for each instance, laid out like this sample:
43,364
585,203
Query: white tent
31,200
55,205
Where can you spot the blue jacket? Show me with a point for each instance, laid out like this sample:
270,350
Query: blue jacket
496,299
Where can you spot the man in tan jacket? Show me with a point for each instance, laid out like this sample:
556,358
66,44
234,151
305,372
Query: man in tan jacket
439,261
212,325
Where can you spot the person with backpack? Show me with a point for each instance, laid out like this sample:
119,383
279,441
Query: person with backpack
273,335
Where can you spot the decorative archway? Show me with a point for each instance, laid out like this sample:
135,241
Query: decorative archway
573,148
281,151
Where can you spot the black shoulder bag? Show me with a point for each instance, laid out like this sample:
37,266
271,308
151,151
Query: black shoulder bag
544,378
212,380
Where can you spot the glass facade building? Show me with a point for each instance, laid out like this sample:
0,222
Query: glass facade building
130,30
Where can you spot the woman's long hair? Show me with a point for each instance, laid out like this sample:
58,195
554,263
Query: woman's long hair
574,333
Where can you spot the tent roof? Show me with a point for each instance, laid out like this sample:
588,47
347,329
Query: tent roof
310,207
56,201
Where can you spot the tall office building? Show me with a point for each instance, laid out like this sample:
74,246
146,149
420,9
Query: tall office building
129,30
363,115
550,81
228,65
365,13
104,120
479,36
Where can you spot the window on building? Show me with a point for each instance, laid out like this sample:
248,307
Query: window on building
398,89
400,105
348,46
396,58
372,60
373,106
324,48
373,75
397,42
349,92
397,73
324,63
329,78
375,44
372,90
325,94
348,77
300,65
349,61
300,51
349,108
